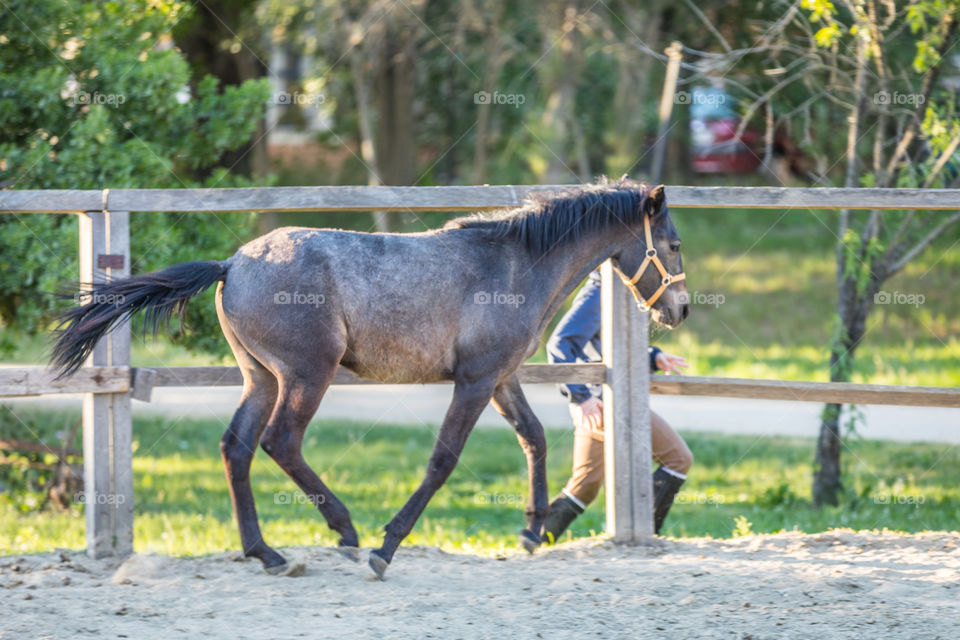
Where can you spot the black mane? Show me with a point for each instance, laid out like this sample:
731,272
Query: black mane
551,219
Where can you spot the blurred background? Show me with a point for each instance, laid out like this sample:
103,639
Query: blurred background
225,93
417,92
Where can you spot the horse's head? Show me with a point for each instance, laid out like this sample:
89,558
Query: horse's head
650,264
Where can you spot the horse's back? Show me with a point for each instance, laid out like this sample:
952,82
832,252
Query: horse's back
395,303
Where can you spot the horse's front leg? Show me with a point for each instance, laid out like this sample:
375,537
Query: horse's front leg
469,400
509,400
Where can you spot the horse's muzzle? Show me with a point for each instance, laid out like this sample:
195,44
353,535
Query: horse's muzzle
669,316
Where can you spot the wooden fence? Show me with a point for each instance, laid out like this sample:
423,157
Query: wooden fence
109,382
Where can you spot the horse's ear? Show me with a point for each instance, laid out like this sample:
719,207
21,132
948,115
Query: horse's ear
653,203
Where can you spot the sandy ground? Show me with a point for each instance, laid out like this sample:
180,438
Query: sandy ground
839,584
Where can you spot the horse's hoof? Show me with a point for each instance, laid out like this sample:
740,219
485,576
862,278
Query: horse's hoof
273,562
529,540
378,564
349,552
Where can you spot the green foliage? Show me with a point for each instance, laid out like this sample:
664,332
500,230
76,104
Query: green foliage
858,262
90,100
930,19
22,482
898,63
941,125
742,527
779,495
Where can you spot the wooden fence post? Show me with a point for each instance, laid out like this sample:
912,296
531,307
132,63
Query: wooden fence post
107,427
667,98
626,413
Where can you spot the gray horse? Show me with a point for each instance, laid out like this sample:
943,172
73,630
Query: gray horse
466,303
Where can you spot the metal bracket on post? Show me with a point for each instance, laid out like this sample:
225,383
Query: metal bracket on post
107,425
141,383
626,414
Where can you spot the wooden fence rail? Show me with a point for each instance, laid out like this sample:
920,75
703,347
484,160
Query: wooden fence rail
109,382
364,198
140,381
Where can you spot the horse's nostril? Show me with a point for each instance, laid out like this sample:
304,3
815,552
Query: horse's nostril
685,311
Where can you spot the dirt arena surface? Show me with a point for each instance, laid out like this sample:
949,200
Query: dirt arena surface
839,584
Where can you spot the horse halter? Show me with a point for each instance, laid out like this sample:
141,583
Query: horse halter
650,258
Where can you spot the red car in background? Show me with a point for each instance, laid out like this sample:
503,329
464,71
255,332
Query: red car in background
715,146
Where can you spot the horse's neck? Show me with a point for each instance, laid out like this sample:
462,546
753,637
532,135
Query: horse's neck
566,267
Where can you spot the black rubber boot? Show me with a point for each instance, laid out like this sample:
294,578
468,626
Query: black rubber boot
563,511
665,487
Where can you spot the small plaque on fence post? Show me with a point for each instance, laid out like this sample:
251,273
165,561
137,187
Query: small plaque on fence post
109,261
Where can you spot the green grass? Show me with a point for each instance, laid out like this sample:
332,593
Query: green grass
183,508
765,283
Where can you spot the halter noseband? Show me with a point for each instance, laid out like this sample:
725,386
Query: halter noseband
651,257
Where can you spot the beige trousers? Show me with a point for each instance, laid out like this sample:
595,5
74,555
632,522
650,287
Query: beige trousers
669,450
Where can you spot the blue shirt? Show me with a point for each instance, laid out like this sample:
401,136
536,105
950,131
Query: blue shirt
577,338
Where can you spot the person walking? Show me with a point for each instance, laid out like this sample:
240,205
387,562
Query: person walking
577,339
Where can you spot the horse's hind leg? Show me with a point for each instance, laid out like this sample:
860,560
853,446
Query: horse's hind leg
240,442
237,448
299,397
509,400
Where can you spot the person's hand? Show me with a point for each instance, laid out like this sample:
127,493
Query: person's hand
588,414
671,363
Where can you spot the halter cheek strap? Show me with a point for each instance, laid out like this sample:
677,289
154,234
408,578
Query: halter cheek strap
650,258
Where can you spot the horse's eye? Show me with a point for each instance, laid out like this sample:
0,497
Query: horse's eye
675,247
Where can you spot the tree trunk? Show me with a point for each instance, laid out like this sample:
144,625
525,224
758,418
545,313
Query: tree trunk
559,118
394,78
635,79
827,478
495,61
367,147
853,307
827,482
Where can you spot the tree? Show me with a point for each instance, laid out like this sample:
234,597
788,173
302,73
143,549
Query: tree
223,38
915,133
868,68
379,44
94,95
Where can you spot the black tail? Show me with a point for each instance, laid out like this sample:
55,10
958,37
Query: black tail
161,294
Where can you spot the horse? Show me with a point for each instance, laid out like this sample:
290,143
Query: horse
465,303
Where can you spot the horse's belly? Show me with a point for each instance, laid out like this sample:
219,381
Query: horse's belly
400,363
